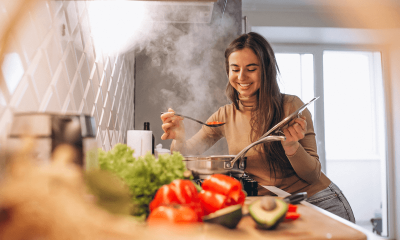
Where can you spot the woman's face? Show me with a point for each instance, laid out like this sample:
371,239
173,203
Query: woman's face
244,72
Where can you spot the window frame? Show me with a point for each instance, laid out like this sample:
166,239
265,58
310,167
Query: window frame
318,50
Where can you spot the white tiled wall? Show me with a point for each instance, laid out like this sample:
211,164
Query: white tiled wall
52,66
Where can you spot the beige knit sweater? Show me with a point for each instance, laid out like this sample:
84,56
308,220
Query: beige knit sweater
306,169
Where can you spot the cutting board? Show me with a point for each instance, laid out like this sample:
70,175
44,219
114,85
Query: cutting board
312,224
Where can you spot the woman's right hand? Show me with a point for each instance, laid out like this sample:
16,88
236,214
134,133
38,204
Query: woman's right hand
173,126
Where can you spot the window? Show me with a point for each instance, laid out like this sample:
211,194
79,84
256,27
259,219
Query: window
350,120
350,104
297,76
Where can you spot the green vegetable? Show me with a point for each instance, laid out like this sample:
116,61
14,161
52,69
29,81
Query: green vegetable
268,216
143,175
111,192
198,187
228,217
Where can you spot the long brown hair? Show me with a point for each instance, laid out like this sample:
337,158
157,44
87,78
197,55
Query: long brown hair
269,108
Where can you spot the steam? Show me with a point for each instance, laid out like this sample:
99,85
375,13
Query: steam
194,67
189,56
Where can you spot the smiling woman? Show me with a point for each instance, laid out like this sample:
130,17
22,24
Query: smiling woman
258,105
244,72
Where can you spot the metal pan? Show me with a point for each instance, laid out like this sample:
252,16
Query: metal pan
204,166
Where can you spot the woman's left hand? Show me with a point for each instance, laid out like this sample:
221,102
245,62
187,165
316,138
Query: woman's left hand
295,132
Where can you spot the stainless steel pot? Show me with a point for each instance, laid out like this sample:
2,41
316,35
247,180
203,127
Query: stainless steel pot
51,130
204,166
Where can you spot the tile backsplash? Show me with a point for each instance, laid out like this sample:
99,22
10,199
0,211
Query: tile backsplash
52,65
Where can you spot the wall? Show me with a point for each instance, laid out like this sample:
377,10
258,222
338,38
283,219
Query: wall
284,18
393,89
56,68
183,69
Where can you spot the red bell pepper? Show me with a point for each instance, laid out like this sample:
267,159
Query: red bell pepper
172,214
165,195
224,185
292,213
219,191
187,193
211,201
178,192
290,216
242,197
184,190
292,208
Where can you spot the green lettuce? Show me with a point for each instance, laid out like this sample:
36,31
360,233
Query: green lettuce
143,175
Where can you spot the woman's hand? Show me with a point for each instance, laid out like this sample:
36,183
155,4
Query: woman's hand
173,126
295,132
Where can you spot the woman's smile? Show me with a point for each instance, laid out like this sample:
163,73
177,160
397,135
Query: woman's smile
244,72
244,86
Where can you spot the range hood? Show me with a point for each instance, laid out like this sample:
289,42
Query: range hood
179,11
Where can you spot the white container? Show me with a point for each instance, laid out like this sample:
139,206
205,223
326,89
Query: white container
140,141
159,150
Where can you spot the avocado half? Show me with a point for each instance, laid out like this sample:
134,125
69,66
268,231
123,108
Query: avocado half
268,219
228,217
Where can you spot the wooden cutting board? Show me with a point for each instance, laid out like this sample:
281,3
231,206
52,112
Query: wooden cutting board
311,225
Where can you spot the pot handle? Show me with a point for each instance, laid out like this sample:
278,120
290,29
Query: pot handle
244,151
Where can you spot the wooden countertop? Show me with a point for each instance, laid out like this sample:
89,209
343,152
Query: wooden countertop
311,225
314,223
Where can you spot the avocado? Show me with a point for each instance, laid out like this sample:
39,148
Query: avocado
228,217
268,213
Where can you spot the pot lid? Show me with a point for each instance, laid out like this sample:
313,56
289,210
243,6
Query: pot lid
43,125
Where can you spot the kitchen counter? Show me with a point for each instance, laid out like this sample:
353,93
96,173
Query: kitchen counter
324,217
314,223
68,208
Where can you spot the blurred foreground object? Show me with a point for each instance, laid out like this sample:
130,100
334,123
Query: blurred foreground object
52,202
51,130
110,191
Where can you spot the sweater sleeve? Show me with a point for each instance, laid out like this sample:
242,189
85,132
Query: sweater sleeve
305,161
205,138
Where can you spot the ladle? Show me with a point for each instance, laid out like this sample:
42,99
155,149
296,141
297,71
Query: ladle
208,125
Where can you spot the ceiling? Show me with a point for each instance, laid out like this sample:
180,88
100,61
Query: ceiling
325,21
307,5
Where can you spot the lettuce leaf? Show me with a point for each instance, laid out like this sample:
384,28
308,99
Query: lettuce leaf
143,175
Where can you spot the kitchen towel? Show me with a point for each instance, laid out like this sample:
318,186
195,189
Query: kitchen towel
140,141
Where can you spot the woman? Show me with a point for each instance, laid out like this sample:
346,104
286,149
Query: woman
257,105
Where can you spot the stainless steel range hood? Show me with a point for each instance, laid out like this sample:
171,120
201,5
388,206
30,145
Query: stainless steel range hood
179,11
